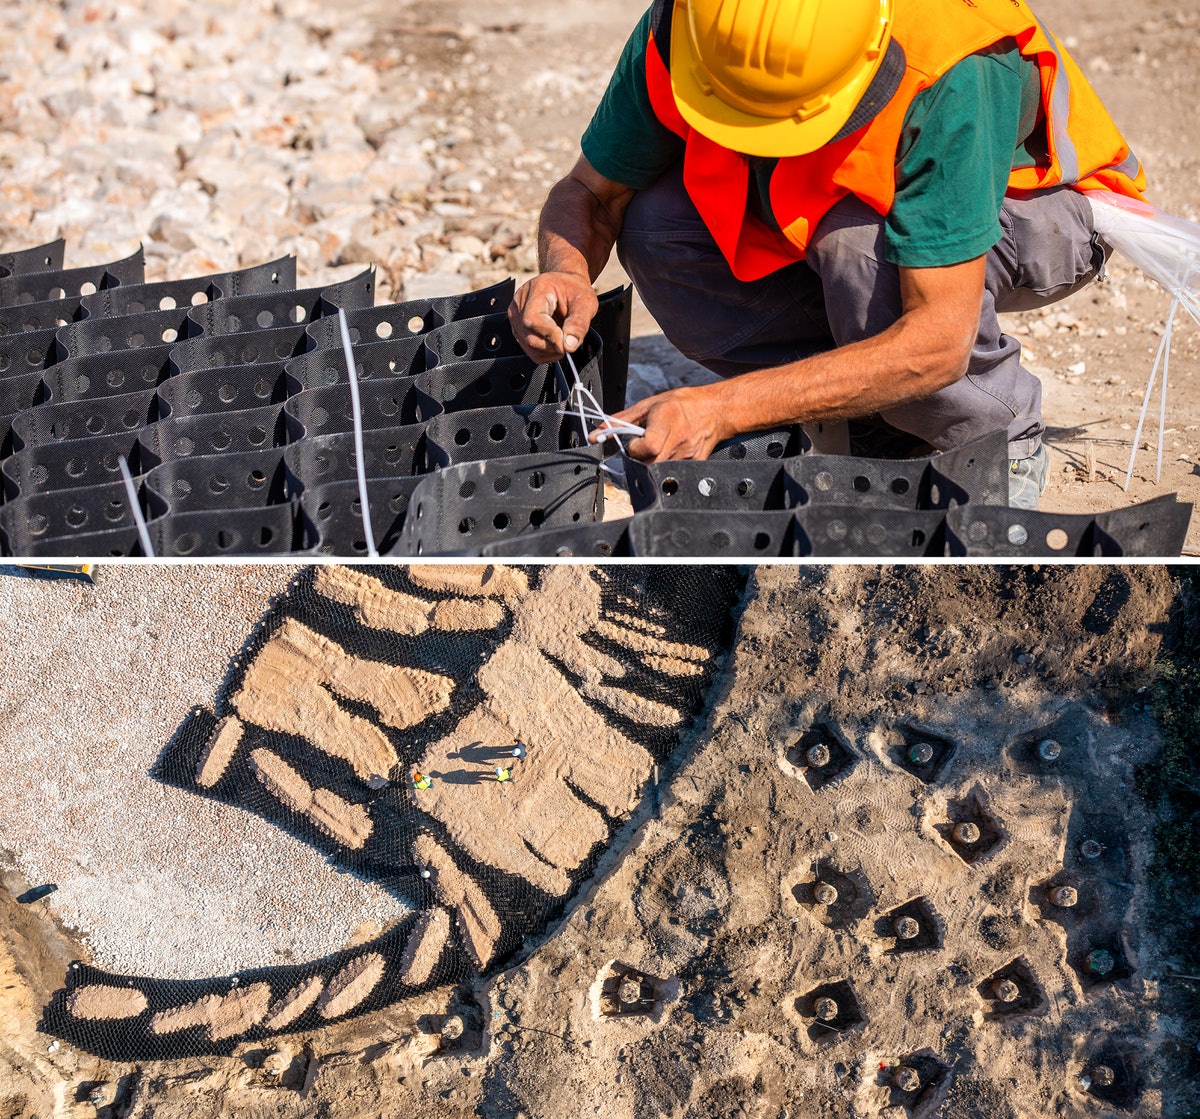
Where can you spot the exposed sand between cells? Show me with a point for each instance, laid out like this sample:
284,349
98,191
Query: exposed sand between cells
288,687
383,608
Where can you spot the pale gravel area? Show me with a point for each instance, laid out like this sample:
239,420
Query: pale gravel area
160,881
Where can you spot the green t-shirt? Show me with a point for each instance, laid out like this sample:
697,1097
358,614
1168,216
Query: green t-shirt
961,139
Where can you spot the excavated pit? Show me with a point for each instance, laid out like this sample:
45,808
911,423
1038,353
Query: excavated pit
1012,991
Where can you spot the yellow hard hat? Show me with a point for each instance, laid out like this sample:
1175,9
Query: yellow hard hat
778,77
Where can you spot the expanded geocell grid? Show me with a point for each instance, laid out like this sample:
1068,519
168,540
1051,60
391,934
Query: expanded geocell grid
386,669
228,397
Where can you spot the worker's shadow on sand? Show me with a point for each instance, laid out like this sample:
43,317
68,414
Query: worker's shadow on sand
476,754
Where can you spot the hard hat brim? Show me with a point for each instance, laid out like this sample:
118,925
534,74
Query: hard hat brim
849,108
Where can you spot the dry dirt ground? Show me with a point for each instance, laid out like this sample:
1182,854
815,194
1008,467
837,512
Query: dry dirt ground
710,895
540,77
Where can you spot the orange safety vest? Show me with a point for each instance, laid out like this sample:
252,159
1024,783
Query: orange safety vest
1085,148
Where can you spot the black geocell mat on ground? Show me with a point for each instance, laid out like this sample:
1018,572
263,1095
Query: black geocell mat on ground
242,363
689,611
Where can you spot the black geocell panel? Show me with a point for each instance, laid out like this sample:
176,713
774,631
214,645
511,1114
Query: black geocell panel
178,375
132,299
459,509
44,285
388,452
38,258
331,514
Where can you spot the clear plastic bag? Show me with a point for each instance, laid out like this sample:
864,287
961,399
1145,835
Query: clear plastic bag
1167,249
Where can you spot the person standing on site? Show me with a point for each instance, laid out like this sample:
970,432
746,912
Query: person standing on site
827,202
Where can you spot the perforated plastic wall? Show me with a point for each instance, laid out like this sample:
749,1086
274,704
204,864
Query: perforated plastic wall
228,397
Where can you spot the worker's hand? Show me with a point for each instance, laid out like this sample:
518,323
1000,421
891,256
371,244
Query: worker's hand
551,313
683,423
443,671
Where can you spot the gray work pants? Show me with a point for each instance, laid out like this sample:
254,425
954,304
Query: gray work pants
846,291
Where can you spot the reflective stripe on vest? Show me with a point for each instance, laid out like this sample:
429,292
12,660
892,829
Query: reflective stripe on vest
1086,150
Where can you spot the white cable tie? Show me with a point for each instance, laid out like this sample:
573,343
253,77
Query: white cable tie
135,508
1162,406
1137,435
609,426
360,465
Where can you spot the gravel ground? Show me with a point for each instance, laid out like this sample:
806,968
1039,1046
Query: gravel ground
159,881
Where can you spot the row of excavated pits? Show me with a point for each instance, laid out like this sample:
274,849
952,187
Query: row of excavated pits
916,1081
823,755
841,898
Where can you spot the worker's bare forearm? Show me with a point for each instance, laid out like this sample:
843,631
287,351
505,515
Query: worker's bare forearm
903,364
551,313
578,228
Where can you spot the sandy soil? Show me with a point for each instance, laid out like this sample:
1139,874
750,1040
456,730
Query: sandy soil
686,980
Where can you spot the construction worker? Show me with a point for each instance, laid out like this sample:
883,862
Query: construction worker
827,202
422,781
503,773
